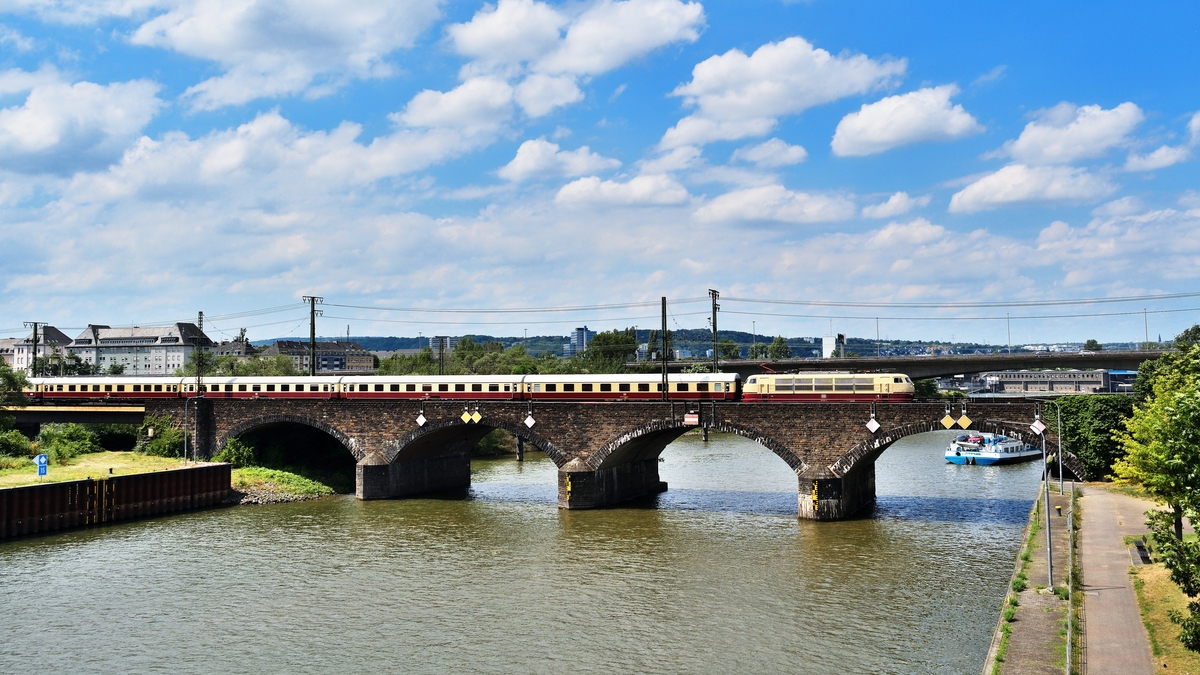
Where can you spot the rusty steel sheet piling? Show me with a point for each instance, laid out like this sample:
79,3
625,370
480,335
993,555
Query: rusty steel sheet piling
48,507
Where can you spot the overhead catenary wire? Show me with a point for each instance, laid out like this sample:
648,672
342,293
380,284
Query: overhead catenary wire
516,310
971,305
965,318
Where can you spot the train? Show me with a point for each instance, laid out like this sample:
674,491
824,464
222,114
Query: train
824,387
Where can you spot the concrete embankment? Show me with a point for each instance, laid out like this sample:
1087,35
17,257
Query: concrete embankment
32,509
1029,637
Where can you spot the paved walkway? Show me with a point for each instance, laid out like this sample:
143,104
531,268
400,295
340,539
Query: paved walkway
1114,636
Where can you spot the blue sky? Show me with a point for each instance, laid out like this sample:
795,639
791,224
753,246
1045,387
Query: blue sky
158,158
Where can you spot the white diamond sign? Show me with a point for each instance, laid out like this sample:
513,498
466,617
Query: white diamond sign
421,420
529,421
1037,427
873,425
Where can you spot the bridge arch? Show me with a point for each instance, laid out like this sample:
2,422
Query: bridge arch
870,450
647,441
446,436
351,443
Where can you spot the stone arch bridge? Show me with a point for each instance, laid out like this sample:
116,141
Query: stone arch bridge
607,453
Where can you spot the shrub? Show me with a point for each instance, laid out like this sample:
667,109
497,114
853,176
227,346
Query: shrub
1010,613
1020,582
1088,422
64,442
159,436
497,442
14,444
1061,592
236,452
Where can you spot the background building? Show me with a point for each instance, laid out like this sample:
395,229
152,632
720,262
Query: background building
338,356
50,341
1046,381
148,350
578,341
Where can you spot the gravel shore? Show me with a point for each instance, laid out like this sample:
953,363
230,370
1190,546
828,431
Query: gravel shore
265,495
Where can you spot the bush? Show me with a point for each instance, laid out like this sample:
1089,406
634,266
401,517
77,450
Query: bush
236,452
1010,613
14,444
1020,582
64,442
159,436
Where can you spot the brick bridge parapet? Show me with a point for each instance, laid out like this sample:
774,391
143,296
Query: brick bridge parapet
606,453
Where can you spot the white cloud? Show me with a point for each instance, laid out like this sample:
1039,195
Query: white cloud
62,127
477,104
1153,249
269,49
653,189
771,154
1020,184
898,204
922,115
551,49
540,94
14,38
775,202
677,159
737,96
608,34
1120,207
510,32
1194,130
1066,133
543,158
1161,158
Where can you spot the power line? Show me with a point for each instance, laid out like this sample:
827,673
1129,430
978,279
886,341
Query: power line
517,310
497,323
965,318
971,305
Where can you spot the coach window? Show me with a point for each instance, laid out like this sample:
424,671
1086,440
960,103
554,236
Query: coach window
569,387
136,387
605,387
379,387
270,387
644,386
70,387
682,386
701,386
477,387
586,387
108,387
395,387
623,386
717,386
256,387
229,387
443,387
537,387
658,387
242,387
495,387
551,387
324,387
284,387
460,387
823,383
427,387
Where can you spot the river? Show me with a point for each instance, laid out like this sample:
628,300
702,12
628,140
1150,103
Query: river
717,575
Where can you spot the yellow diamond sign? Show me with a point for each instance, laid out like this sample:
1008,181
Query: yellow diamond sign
964,421
947,421
465,417
475,417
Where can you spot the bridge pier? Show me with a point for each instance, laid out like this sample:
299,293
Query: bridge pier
825,496
375,478
581,487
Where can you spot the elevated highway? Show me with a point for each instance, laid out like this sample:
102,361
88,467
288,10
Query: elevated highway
920,367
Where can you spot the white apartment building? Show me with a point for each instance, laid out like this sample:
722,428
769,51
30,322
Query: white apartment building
149,350
50,341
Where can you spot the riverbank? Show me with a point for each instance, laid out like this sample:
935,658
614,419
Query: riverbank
258,485
92,465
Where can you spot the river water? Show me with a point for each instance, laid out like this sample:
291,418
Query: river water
717,575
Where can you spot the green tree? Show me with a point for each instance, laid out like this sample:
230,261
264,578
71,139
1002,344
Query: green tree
159,436
1161,440
758,350
926,388
1185,361
655,344
779,349
1093,346
115,369
1188,338
608,351
12,393
1088,423
14,444
237,452
728,349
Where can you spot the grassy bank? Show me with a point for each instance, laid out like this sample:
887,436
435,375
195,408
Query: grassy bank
92,465
256,478
1157,597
